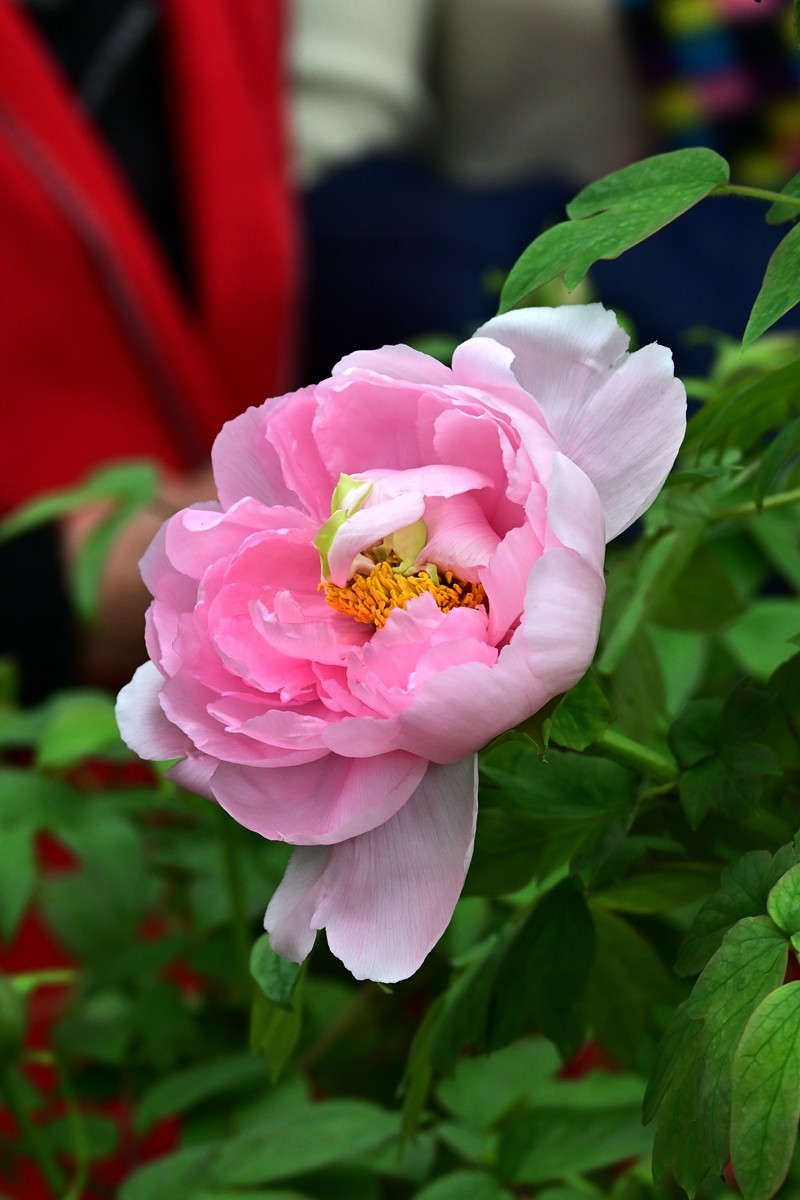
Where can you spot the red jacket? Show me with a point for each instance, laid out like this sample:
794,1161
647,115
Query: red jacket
100,356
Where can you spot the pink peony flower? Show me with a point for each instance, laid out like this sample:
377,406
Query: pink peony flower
405,561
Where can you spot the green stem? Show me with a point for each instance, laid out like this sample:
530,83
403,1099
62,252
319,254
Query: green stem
77,1129
738,189
31,1133
232,865
778,500
633,754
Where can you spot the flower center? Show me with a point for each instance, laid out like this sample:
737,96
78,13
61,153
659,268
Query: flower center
371,598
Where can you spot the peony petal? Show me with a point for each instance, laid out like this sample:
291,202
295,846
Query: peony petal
560,356
142,722
620,418
244,461
194,773
396,362
291,910
629,434
385,898
366,421
196,536
460,538
574,511
319,802
466,706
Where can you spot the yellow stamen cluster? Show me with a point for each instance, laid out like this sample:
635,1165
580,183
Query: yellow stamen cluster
371,598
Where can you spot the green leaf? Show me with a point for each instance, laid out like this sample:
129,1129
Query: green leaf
582,716
464,1185
39,802
673,886
184,1089
742,415
783,902
277,977
17,877
781,454
700,599
780,290
766,1094
76,726
328,1133
744,887
100,1028
552,1143
418,1075
275,1028
760,639
691,1078
128,485
464,1014
613,214
778,213
482,1090
182,1174
724,767
627,981
543,973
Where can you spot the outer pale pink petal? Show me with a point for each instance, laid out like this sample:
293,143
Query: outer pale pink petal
321,802
560,356
388,897
466,706
574,511
141,720
396,362
194,774
291,910
385,898
621,419
629,434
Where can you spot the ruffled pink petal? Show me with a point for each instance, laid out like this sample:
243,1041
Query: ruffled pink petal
321,802
384,898
438,479
141,719
245,462
291,434
365,420
189,704
396,362
197,536
466,706
479,440
460,538
505,579
620,418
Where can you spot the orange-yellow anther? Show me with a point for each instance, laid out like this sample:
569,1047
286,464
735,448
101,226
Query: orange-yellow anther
371,598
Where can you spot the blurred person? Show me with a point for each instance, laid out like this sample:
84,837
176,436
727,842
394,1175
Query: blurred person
148,247
437,138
